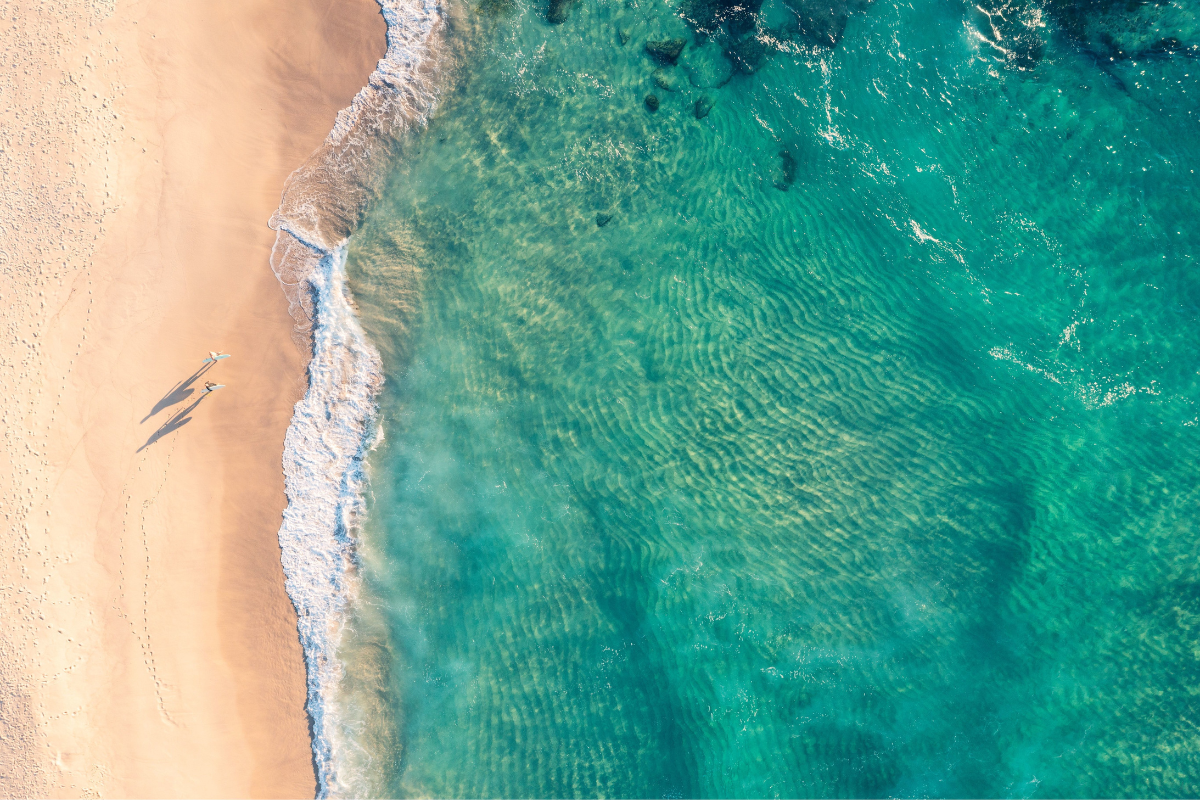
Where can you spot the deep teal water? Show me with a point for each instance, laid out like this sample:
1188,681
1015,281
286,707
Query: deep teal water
883,482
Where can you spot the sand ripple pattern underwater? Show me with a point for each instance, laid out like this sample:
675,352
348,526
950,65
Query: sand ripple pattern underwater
829,429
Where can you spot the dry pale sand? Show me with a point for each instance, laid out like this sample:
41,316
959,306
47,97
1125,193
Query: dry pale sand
147,646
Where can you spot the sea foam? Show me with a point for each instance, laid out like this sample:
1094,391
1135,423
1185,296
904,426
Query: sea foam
333,426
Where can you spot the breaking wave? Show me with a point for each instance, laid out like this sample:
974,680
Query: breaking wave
333,426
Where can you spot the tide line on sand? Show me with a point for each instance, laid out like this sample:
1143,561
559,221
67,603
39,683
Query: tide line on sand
333,425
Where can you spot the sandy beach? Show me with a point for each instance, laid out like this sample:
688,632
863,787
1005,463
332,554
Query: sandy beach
148,647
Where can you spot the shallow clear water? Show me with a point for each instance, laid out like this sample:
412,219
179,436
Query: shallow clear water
874,478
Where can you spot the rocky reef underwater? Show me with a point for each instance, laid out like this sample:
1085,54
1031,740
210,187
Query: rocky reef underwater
746,35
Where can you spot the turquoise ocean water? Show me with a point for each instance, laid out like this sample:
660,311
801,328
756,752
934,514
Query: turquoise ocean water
855,454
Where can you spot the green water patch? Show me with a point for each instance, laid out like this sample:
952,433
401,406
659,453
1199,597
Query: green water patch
839,440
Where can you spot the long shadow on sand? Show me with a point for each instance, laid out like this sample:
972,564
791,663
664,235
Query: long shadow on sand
178,393
177,421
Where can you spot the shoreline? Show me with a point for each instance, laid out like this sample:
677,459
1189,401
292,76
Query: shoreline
333,424
152,649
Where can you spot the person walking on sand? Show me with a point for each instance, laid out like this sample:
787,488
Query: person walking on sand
210,387
214,357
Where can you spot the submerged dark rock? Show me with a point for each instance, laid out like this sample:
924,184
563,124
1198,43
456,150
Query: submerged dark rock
665,80
666,51
703,106
747,54
819,22
1013,33
1168,46
495,8
785,176
748,45
558,11
708,16
706,66
1123,29
603,219
651,102
823,22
